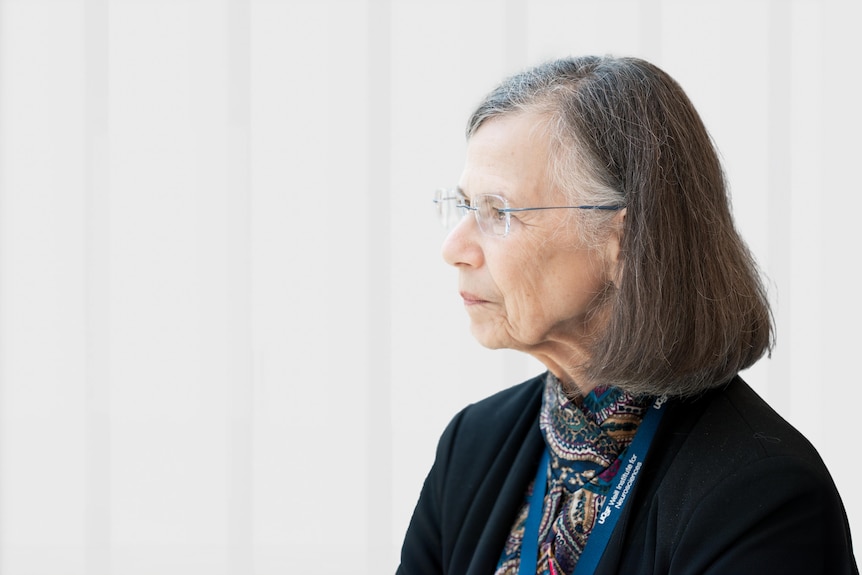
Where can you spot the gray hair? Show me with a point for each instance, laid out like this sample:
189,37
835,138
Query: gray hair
552,92
689,310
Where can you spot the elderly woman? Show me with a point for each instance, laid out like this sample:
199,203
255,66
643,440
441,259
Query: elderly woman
593,232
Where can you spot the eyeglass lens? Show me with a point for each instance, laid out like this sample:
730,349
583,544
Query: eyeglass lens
447,204
491,220
452,206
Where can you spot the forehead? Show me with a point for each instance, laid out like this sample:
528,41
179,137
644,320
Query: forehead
508,155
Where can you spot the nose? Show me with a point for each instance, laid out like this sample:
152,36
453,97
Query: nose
461,247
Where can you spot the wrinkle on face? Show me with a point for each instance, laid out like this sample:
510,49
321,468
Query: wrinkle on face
544,284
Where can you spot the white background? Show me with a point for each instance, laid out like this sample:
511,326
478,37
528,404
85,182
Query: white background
228,343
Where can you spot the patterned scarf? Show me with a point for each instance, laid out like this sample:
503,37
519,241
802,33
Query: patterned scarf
585,437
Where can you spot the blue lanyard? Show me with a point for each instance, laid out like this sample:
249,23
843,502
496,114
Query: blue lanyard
530,542
633,458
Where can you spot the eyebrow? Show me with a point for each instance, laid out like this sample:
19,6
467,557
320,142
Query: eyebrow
460,190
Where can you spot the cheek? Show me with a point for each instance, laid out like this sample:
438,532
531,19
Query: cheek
545,282
527,294
563,288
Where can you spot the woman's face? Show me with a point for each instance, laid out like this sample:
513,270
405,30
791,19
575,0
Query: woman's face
533,289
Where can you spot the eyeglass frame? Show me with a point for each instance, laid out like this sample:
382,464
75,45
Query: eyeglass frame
506,210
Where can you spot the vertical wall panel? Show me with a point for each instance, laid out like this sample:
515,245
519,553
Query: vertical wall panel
4,256
240,374
778,159
651,34
806,183
43,412
170,299
310,178
378,199
838,381
97,242
560,28
290,279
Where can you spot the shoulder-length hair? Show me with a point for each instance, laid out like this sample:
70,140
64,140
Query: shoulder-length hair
688,310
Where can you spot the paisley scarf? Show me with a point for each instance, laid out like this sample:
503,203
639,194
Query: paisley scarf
585,436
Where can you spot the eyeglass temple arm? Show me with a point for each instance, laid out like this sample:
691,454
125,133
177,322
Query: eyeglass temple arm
616,207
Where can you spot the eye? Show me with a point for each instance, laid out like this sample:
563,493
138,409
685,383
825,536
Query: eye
491,207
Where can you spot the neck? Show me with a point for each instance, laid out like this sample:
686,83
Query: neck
573,378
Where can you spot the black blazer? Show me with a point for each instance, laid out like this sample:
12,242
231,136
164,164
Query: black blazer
728,487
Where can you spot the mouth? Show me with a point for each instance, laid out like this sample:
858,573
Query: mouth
472,299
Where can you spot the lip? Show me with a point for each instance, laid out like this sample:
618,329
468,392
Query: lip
472,299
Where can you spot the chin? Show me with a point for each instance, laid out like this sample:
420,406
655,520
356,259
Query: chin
488,338
494,337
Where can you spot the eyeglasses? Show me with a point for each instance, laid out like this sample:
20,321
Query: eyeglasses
492,212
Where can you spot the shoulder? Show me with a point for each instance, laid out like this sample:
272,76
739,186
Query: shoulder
729,459
730,431
735,426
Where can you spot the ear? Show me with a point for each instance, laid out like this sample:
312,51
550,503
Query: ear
613,247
